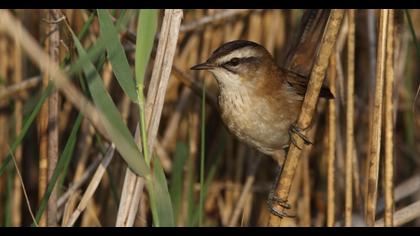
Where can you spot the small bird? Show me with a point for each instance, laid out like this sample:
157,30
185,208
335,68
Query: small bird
259,101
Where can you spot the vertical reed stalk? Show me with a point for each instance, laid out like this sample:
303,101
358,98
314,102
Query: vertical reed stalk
42,127
348,208
389,124
306,180
308,108
331,145
54,53
376,122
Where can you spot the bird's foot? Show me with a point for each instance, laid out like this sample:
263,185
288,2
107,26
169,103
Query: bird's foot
272,200
295,129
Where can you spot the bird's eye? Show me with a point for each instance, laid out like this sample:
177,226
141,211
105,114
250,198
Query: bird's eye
233,62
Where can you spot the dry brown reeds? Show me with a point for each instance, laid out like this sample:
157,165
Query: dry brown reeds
62,165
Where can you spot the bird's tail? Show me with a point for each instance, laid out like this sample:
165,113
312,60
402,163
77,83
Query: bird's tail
301,56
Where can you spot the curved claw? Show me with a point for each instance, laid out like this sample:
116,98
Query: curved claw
279,201
275,211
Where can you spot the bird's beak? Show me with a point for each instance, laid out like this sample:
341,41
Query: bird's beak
203,66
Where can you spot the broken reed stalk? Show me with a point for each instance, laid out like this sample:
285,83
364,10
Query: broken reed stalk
348,208
376,122
331,145
389,124
54,53
308,109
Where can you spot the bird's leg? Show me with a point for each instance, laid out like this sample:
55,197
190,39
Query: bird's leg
295,129
274,199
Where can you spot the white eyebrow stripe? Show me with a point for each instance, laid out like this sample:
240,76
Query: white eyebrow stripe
239,53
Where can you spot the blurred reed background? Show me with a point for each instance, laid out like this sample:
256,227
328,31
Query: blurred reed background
67,145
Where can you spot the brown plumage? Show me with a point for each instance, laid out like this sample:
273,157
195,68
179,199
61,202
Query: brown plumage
258,100
301,55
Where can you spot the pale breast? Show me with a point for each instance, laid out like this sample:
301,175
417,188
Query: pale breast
253,121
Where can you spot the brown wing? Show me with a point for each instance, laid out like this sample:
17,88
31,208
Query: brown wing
300,84
301,56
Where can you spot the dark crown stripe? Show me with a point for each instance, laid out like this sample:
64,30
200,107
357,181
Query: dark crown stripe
230,47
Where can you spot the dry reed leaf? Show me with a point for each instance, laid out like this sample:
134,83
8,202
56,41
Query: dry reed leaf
375,133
